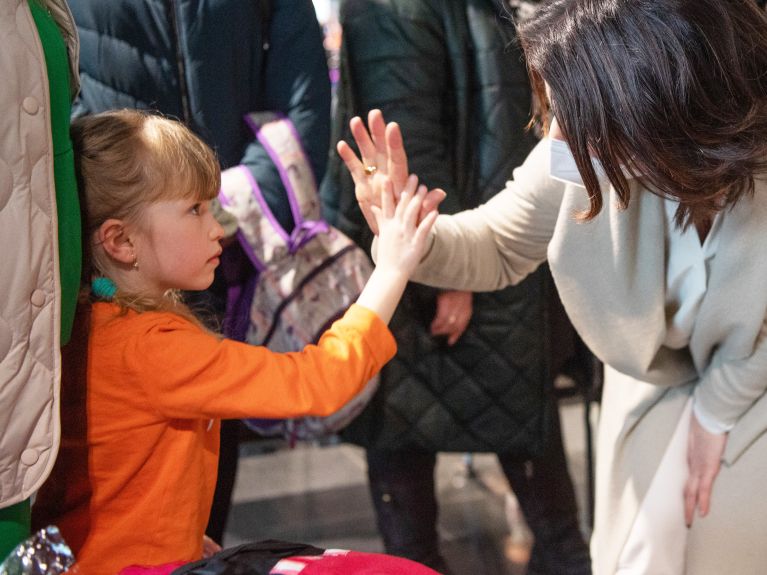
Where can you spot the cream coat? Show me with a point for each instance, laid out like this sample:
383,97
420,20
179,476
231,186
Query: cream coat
29,282
610,273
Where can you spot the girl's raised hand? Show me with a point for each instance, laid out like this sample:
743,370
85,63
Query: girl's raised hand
401,243
401,237
383,159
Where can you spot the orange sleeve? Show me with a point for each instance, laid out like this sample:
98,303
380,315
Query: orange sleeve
187,373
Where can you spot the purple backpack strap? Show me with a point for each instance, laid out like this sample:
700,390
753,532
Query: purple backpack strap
283,144
260,234
262,237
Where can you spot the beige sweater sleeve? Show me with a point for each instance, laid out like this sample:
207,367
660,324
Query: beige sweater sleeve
501,241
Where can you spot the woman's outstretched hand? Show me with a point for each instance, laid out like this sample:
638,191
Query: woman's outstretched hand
383,159
704,456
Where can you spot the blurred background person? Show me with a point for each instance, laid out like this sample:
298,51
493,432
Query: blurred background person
474,370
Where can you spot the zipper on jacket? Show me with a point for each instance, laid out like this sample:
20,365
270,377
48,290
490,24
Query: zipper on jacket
180,63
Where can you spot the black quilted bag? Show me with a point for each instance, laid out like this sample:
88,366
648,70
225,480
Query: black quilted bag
488,393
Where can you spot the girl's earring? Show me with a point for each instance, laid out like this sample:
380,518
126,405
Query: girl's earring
135,264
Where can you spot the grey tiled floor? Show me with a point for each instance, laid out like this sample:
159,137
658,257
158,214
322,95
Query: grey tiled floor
319,495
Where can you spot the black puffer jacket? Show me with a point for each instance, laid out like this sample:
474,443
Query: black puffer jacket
450,73
203,61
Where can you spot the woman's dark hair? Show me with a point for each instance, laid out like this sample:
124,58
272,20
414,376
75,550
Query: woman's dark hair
674,90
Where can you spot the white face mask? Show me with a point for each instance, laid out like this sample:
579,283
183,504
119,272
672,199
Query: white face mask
562,164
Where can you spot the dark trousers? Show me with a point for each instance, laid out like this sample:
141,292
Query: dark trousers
403,493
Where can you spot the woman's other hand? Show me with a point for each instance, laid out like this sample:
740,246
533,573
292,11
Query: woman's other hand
383,159
454,309
704,458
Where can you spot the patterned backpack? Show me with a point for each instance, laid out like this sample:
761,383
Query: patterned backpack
306,279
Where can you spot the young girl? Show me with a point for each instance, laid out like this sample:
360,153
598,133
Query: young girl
157,382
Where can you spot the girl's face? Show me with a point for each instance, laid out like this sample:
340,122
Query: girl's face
177,246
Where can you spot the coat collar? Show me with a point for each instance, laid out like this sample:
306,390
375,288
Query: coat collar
611,274
738,276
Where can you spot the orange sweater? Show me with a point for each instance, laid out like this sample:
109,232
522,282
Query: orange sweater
156,388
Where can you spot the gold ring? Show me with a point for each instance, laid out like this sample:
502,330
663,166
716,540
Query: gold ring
370,170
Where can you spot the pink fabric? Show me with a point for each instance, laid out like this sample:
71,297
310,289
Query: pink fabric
350,563
151,570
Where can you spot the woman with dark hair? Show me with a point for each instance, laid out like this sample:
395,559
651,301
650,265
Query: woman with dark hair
659,110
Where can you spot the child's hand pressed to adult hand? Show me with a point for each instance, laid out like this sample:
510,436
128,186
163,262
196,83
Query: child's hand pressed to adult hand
401,239
382,158
401,244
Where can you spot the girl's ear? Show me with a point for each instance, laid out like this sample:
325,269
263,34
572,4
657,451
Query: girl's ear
115,242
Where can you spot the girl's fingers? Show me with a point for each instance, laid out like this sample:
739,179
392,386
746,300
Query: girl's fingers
406,195
423,229
377,217
411,184
413,208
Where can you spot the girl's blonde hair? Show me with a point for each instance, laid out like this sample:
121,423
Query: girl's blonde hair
126,160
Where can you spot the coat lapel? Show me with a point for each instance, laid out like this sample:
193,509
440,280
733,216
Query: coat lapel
610,273
735,293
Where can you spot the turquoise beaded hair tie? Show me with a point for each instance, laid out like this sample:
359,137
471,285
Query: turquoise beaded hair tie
103,288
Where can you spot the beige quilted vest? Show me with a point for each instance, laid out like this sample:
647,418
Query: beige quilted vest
29,282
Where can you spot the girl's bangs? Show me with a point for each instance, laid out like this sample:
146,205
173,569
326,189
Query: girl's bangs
195,172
